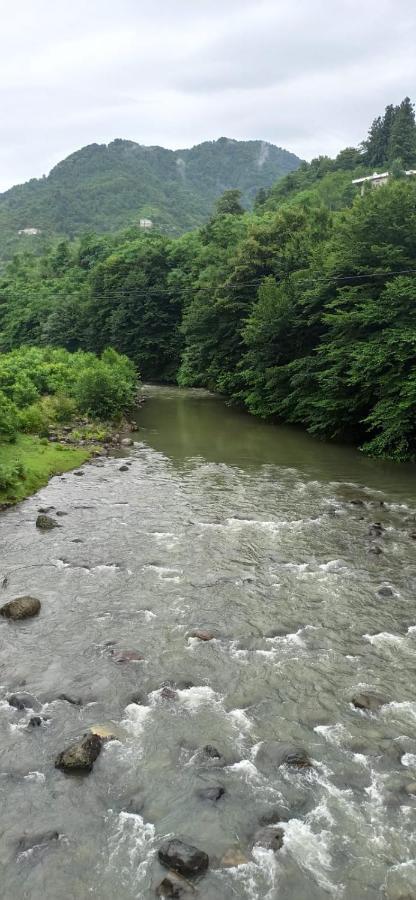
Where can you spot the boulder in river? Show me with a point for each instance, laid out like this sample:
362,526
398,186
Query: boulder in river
123,469
375,550
174,887
126,442
364,700
385,592
21,608
209,756
36,841
202,634
80,757
273,754
233,857
213,793
271,837
23,700
183,858
376,529
79,472
46,523
35,722
168,693
123,656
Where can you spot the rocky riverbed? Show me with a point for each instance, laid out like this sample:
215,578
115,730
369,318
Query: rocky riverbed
207,682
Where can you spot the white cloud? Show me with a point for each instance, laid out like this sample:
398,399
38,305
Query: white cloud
309,75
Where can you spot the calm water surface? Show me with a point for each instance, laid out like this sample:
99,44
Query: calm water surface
249,530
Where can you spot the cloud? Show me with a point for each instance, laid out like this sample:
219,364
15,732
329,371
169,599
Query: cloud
309,75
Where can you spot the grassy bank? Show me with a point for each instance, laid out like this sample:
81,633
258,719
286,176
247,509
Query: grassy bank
37,460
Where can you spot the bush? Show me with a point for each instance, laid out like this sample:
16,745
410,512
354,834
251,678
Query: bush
10,475
9,419
103,391
34,420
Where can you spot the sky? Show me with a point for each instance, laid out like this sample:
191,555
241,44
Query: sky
307,75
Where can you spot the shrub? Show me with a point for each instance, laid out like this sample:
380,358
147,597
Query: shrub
103,391
9,419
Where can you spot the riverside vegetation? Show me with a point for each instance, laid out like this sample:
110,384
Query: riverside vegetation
46,393
302,310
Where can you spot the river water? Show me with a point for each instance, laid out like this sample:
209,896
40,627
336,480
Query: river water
254,532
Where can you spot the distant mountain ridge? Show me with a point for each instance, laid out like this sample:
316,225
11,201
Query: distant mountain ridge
105,187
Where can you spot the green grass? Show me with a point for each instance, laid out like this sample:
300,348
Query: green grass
40,461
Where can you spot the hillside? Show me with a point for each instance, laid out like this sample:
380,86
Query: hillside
107,187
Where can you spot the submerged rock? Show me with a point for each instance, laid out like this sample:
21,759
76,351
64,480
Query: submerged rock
233,857
167,693
32,841
375,549
23,701
122,656
74,701
79,472
376,529
202,634
211,793
21,608
175,887
183,858
35,722
371,702
45,523
274,753
271,837
126,442
209,756
385,592
80,757
123,469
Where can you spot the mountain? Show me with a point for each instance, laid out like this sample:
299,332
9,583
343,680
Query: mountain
107,187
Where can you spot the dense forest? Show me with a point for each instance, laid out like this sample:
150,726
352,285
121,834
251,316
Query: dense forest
107,187
302,310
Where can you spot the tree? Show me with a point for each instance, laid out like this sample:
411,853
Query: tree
402,139
229,204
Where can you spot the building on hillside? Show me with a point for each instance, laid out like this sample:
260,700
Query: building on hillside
145,223
29,231
377,179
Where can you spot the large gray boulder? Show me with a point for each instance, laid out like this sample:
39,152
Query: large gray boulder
183,858
80,757
21,608
45,523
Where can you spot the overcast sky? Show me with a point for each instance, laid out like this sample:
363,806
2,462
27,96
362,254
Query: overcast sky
307,75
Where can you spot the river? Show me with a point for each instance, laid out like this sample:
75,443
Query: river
260,535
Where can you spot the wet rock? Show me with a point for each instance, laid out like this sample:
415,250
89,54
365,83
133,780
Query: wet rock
376,529
357,502
60,512
35,722
271,837
274,753
167,693
139,698
209,756
79,473
183,858
375,549
77,541
410,788
21,608
413,535
370,702
135,804
45,523
45,509
123,656
175,887
34,841
385,592
211,793
105,732
74,701
233,857
23,701
202,634
126,442
123,469
80,757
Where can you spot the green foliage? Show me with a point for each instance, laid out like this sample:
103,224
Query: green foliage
392,137
9,418
103,391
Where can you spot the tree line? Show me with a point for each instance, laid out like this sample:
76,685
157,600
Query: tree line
302,311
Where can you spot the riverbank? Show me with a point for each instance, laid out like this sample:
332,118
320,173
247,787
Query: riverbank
30,462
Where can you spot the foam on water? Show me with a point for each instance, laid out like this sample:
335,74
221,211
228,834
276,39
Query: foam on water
131,845
311,851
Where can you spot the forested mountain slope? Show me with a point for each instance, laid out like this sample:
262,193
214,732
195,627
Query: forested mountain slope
108,187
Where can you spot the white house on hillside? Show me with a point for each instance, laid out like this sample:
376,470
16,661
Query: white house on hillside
377,179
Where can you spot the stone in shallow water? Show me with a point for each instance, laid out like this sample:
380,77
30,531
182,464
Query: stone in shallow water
123,656
233,857
167,693
272,754
23,701
213,793
80,757
35,722
34,841
202,634
21,608
174,887
385,592
370,702
45,523
376,529
183,858
271,837
123,469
